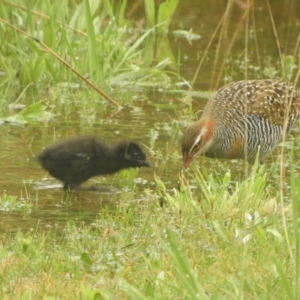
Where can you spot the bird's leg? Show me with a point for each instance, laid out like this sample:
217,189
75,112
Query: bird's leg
72,187
66,187
69,187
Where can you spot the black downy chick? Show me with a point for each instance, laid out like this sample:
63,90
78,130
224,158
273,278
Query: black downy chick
75,160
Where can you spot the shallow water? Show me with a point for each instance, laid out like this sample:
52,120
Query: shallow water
154,119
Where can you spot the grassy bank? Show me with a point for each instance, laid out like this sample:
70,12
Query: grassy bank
232,245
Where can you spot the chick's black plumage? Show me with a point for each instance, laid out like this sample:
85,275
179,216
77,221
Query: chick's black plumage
75,160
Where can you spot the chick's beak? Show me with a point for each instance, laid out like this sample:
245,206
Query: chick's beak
145,163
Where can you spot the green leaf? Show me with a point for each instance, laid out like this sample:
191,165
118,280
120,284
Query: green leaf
150,13
25,76
288,65
86,259
164,52
133,292
109,8
122,12
165,14
92,44
34,113
131,51
50,33
78,18
285,280
185,273
38,68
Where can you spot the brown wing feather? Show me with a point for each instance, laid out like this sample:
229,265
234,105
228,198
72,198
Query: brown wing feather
275,109
271,99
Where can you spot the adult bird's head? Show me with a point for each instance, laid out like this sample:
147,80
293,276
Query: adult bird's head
196,139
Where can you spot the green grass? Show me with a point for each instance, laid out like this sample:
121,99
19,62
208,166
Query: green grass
13,203
223,238
93,39
229,246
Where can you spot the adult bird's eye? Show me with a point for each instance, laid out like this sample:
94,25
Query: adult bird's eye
197,146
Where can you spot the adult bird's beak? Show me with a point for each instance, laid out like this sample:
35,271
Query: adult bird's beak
187,159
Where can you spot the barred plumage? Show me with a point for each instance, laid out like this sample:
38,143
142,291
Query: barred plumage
241,118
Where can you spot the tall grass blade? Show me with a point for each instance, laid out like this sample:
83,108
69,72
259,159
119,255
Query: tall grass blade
150,13
150,41
165,14
295,190
133,292
131,50
109,8
285,282
122,12
187,276
92,44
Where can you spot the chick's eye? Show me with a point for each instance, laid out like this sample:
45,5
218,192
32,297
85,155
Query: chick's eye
136,155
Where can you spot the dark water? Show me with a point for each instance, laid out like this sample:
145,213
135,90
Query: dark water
153,118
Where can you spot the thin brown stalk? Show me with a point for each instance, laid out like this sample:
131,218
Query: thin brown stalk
246,71
204,56
246,40
229,47
282,168
274,30
297,47
223,35
255,39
